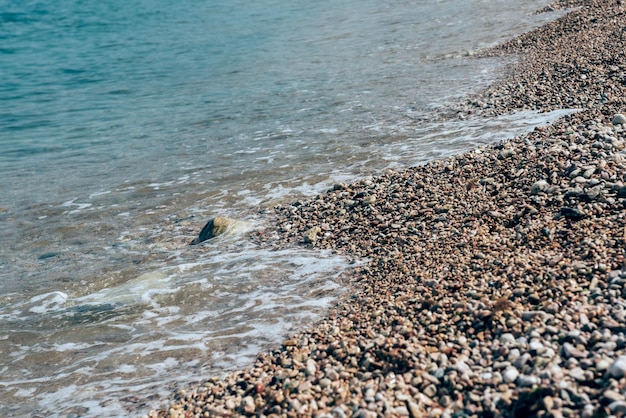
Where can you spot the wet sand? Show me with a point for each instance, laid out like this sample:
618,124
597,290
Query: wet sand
496,280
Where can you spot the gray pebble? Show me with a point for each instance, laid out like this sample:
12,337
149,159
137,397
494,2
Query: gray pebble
445,401
521,361
573,214
618,407
539,186
570,351
618,368
338,413
530,315
332,375
619,119
507,339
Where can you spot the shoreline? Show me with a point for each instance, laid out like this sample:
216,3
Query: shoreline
496,281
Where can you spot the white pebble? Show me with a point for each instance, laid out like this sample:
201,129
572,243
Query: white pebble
556,372
577,374
513,354
510,374
603,364
462,366
525,381
537,346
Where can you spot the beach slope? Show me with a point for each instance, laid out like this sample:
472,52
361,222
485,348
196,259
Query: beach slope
495,281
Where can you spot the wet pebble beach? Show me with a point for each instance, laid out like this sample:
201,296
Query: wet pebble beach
493,282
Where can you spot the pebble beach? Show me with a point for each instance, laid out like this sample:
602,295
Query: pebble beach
491,283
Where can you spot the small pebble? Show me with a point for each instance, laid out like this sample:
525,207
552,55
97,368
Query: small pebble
521,361
539,186
507,339
510,374
430,391
311,367
612,396
525,381
577,374
619,119
602,365
618,368
338,413
618,407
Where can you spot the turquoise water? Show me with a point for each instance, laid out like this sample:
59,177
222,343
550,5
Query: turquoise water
124,126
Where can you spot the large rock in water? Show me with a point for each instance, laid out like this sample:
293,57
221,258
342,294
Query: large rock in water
216,226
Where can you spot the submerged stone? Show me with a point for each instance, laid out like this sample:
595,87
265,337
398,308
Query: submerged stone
216,226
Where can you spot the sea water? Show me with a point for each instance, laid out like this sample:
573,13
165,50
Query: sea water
125,126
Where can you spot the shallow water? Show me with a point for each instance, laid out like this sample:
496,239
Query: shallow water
123,129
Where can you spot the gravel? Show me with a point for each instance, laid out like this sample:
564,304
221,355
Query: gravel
494,282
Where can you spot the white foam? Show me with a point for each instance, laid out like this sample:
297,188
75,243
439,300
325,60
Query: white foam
24,393
71,346
48,302
80,206
188,266
96,194
168,363
278,191
139,289
126,368
434,141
